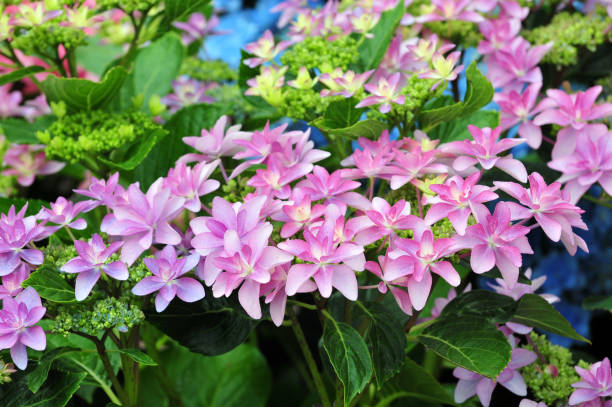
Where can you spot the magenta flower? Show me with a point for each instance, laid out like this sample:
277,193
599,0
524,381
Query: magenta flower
444,10
17,330
144,220
299,150
456,199
251,266
394,275
17,231
549,207
288,9
596,382
275,179
517,64
471,383
264,49
369,165
64,212
25,161
187,92
10,102
198,27
591,162
484,149
385,92
498,33
425,254
191,183
11,283
92,262
216,142
109,193
298,214
167,278
531,403
571,111
495,242
413,164
517,108
329,262
383,220
320,184
222,233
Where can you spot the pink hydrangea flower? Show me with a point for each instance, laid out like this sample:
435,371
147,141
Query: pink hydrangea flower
531,403
288,10
517,64
456,199
144,219
484,149
408,166
17,329
573,112
216,142
383,220
517,107
549,207
249,268
198,27
425,254
494,241
222,233
11,283
167,278
17,231
64,212
297,214
441,302
107,192
385,92
92,262
596,383
320,184
25,161
445,10
10,102
443,68
275,179
329,262
471,383
591,162
187,92
192,183
345,84
498,33
264,49
394,275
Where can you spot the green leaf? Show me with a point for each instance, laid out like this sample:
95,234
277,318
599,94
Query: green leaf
18,74
187,122
50,286
368,128
469,341
96,56
478,94
142,149
56,391
211,326
342,113
598,302
458,129
177,9
238,378
39,375
34,205
349,356
20,131
385,338
536,312
372,50
82,94
413,382
484,303
139,356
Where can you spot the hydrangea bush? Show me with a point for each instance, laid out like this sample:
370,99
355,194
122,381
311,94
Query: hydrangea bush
171,227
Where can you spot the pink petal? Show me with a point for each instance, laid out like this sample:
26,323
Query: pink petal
248,295
419,291
84,283
464,390
298,275
147,285
513,167
161,303
345,281
34,337
482,258
484,389
116,270
189,289
19,355
445,270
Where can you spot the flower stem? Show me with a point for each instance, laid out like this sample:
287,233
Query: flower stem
597,201
312,365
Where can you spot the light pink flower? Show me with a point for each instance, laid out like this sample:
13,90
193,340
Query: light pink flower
328,262
17,231
275,178
517,107
471,383
347,84
107,192
216,142
192,183
197,27
495,242
445,10
320,184
64,212
394,275
288,9
498,33
298,214
408,166
383,220
167,278
10,102
549,207
144,219
443,68
92,262
385,92
11,283
596,383
187,92
531,403
516,64
264,49
591,162
26,161
456,199
484,149
441,302
17,329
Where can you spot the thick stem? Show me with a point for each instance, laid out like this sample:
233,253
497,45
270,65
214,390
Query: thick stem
312,365
137,30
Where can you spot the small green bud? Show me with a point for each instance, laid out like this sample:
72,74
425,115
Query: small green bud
58,109
156,107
